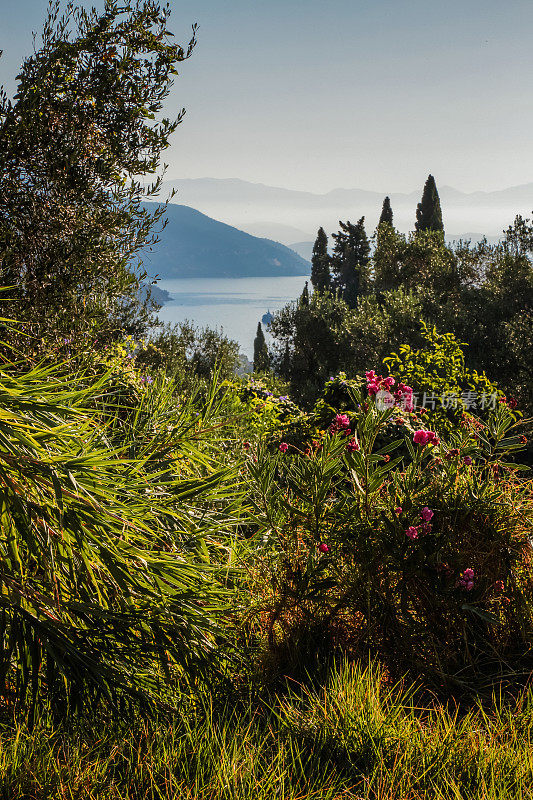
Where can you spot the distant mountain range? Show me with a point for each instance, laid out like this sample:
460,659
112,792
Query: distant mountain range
194,245
269,232
291,216
305,249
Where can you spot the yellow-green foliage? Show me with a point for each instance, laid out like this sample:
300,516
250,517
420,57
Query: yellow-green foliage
440,379
109,523
266,410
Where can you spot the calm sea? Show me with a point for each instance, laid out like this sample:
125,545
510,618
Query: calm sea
235,305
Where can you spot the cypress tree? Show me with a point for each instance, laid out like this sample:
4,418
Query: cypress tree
350,260
385,224
261,357
320,274
428,211
304,297
386,212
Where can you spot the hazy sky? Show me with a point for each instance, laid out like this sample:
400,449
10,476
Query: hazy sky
318,94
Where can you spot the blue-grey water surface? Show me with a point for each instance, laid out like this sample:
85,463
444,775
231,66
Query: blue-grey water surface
234,304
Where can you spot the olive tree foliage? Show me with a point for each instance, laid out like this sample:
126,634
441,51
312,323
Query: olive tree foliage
76,141
190,354
496,315
480,292
413,261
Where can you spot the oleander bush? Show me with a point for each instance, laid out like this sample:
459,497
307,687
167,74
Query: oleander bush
418,551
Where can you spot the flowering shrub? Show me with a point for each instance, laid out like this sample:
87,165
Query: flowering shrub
418,550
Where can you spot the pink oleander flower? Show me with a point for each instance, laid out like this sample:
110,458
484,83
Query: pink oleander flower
388,382
373,388
412,532
404,397
398,510
467,460
352,446
432,437
426,514
342,421
466,580
283,447
420,437
323,547
370,375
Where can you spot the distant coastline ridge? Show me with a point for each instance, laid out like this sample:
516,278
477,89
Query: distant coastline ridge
193,245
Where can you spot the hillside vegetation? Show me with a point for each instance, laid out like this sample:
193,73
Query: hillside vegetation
314,582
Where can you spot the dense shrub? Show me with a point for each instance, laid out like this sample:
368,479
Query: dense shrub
189,354
418,551
113,534
271,412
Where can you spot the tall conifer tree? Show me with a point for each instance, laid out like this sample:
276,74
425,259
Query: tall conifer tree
428,212
320,274
304,297
261,357
386,212
350,260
